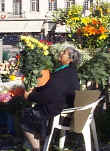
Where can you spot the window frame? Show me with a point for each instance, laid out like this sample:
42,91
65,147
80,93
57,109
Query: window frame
69,3
2,5
17,7
35,5
52,5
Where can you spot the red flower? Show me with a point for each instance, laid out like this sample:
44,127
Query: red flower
46,42
17,56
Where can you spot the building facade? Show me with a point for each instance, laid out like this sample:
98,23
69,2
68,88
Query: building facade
22,16
30,15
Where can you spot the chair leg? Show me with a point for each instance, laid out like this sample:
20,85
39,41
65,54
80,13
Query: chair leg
48,140
94,133
62,139
87,138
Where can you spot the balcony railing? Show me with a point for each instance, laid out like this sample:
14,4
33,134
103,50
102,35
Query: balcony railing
10,15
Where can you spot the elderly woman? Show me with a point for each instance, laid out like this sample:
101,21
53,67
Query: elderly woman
58,93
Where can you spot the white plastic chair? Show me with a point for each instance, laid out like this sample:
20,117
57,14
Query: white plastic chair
85,102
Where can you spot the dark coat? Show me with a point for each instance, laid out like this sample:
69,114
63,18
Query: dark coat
58,93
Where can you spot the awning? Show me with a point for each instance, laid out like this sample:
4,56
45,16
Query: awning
20,26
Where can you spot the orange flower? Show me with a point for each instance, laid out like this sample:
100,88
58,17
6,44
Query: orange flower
102,29
90,30
22,78
95,21
97,31
17,57
86,28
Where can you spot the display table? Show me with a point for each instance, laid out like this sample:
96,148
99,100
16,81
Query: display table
10,89
11,104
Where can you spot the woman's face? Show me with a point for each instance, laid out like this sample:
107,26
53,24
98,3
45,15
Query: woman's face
64,57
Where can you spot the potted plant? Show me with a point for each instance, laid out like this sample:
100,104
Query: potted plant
33,58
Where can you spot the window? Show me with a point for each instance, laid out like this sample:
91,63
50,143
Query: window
35,5
52,5
16,7
91,3
86,4
2,5
69,3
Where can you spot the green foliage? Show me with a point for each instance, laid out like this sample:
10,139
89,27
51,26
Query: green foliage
31,64
6,55
58,47
96,69
60,16
91,31
102,118
34,57
104,7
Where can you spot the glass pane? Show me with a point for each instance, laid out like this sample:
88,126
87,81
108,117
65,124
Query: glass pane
52,4
35,5
2,5
17,7
69,3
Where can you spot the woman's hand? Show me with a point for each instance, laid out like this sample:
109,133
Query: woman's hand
26,93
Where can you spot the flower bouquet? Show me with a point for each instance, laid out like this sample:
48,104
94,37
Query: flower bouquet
5,97
91,34
7,69
34,57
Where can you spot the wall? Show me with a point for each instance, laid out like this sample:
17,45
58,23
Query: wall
9,6
60,4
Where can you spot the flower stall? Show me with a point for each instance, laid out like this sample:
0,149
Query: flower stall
30,68
91,35
86,32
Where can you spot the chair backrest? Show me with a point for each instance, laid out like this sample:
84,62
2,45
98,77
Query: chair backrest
79,117
86,97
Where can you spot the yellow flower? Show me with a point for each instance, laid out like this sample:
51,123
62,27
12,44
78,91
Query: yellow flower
108,10
18,62
45,47
101,11
103,36
36,41
29,44
27,41
46,52
12,77
76,19
32,46
69,12
86,20
86,34
30,38
40,45
22,37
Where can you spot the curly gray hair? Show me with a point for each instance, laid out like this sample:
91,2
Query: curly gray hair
74,55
